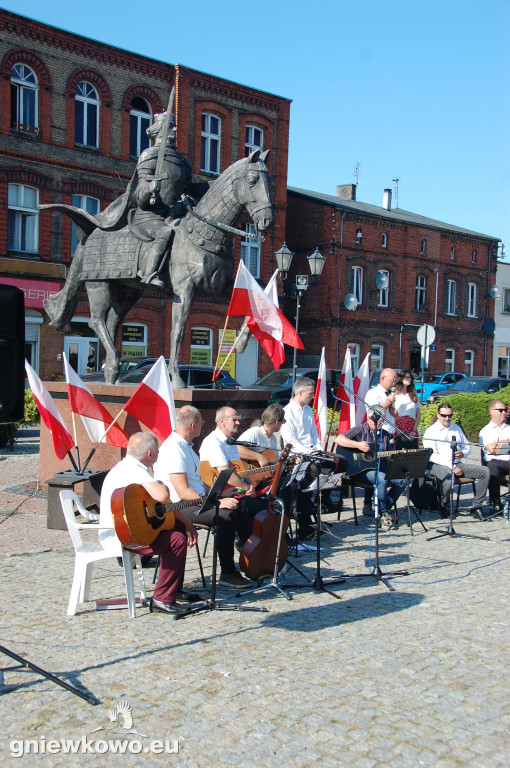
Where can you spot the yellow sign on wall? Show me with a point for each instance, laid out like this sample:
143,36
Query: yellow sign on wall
228,343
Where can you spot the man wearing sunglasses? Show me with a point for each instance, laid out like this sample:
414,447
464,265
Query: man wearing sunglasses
495,439
441,436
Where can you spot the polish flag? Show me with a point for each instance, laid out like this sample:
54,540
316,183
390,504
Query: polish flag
320,400
62,440
361,385
265,321
152,402
94,415
348,409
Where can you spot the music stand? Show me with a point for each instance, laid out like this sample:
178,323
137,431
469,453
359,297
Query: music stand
213,500
407,466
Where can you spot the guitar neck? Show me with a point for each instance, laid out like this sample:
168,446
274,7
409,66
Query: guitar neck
268,469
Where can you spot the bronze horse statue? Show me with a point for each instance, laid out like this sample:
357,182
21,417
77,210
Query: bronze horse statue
200,258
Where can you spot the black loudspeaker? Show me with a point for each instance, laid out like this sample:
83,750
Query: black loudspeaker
12,354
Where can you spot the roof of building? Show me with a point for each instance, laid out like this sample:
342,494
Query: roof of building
394,214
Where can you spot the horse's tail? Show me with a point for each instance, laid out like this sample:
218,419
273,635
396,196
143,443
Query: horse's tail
60,307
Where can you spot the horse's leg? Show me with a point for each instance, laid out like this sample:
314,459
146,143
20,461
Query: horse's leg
123,298
60,307
100,299
182,300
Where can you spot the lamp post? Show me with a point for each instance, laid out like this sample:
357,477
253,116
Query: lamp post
301,282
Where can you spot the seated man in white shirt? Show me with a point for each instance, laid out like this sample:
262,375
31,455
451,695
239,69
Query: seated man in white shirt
267,433
495,439
448,441
142,452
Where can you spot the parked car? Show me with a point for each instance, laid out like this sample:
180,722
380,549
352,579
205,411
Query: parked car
434,383
280,383
470,385
134,370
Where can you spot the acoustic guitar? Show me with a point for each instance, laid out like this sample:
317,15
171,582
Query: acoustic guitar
358,462
209,474
138,519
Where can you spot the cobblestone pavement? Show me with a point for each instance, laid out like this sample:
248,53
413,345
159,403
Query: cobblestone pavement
413,677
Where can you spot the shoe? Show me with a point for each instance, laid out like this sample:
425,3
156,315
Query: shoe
387,521
497,505
238,544
476,512
189,597
444,512
367,510
235,579
155,606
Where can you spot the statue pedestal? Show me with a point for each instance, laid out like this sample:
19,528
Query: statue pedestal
248,402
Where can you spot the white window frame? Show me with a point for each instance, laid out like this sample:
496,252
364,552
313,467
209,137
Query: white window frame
472,300
376,357
250,251
449,360
87,95
469,362
504,362
254,139
25,94
451,297
420,291
210,148
423,249
139,121
506,301
384,243
359,236
384,292
452,253
357,283
86,203
474,256
23,219
354,348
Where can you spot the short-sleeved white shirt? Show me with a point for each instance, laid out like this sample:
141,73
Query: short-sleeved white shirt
126,472
491,433
215,450
176,456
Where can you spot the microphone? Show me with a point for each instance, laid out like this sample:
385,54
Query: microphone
233,441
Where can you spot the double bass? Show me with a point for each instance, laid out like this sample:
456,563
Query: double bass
267,547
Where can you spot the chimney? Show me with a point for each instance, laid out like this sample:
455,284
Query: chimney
347,191
386,201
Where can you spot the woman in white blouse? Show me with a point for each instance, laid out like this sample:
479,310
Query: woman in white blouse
406,404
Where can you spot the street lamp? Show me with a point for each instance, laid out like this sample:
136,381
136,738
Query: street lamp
300,285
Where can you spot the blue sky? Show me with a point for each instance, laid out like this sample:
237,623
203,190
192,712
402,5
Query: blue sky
411,89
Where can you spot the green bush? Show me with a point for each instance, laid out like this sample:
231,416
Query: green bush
31,415
470,411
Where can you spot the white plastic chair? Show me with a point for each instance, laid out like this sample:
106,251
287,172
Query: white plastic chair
88,554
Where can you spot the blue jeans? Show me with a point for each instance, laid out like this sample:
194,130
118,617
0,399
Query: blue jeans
396,488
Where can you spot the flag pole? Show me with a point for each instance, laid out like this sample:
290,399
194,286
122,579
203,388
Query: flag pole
79,471
216,371
76,449
101,440
245,325
331,424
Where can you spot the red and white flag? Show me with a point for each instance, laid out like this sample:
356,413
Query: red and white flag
62,440
94,415
265,321
348,409
152,402
361,385
320,400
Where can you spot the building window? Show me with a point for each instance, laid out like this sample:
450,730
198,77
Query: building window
384,242
86,116
140,118
504,362
452,253
469,360
359,236
254,139
420,292
376,357
423,249
384,292
23,219
449,360
357,283
210,144
451,297
24,92
354,349
472,309
134,340
474,255
89,204
250,251
506,300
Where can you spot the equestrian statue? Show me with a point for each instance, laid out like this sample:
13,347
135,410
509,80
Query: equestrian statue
154,237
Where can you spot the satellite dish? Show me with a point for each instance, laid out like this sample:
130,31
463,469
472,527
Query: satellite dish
488,326
381,280
350,301
494,291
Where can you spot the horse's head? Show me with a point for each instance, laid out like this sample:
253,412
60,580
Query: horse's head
251,188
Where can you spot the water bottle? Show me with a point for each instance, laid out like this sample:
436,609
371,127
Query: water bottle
506,511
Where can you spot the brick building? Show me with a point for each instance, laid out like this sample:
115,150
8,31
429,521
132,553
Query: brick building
72,124
437,273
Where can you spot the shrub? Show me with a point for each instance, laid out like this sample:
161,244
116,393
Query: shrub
470,411
31,415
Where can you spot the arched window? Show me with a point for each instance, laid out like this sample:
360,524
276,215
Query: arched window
451,297
210,143
384,292
86,116
423,249
254,139
357,283
472,300
24,93
140,117
23,219
420,292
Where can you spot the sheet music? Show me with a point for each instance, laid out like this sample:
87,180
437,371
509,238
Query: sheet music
326,483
